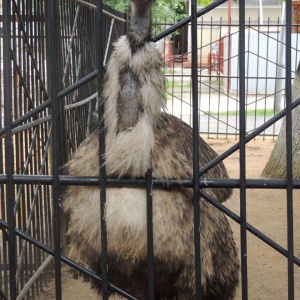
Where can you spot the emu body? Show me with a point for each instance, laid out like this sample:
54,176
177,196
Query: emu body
139,134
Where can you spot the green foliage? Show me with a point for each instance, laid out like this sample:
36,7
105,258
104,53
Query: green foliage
169,11
120,5
163,10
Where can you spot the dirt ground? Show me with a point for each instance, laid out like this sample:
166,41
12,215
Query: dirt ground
266,211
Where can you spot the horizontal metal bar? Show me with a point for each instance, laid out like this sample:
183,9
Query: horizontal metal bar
185,182
87,272
82,102
249,227
48,118
248,138
47,103
66,260
28,125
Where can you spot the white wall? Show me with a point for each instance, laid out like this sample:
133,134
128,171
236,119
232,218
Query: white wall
207,35
262,55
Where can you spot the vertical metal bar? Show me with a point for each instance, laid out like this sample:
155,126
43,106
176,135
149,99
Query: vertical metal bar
219,61
150,245
257,71
54,85
289,151
3,203
9,157
16,48
104,258
210,67
267,72
200,99
23,139
196,150
247,48
242,136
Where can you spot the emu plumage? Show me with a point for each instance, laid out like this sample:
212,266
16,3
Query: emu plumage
139,135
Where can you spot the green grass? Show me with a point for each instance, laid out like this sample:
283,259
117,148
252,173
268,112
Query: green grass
174,84
216,82
250,112
167,72
261,112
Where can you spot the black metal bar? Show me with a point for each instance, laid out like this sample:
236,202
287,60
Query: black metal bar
196,201
9,150
28,47
54,86
102,175
289,153
47,102
185,182
250,228
248,138
66,180
207,197
242,137
65,260
21,141
150,244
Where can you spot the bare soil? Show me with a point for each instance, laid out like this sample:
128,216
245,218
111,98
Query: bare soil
266,211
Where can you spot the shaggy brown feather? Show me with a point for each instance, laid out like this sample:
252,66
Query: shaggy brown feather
173,223
173,241
139,134
173,154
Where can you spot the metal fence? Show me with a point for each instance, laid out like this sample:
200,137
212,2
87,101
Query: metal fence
52,55
26,115
218,75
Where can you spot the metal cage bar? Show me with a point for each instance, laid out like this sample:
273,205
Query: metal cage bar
150,243
289,155
56,123
242,157
196,201
104,257
35,112
9,159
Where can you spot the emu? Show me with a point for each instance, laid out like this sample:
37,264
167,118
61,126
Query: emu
140,135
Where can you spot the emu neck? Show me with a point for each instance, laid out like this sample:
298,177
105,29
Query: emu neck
129,104
140,25
134,95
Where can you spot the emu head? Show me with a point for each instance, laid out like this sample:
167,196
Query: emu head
140,23
141,5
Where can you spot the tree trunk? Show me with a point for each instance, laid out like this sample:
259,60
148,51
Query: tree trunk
276,165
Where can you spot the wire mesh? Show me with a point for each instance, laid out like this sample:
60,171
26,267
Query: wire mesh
218,75
50,85
25,52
